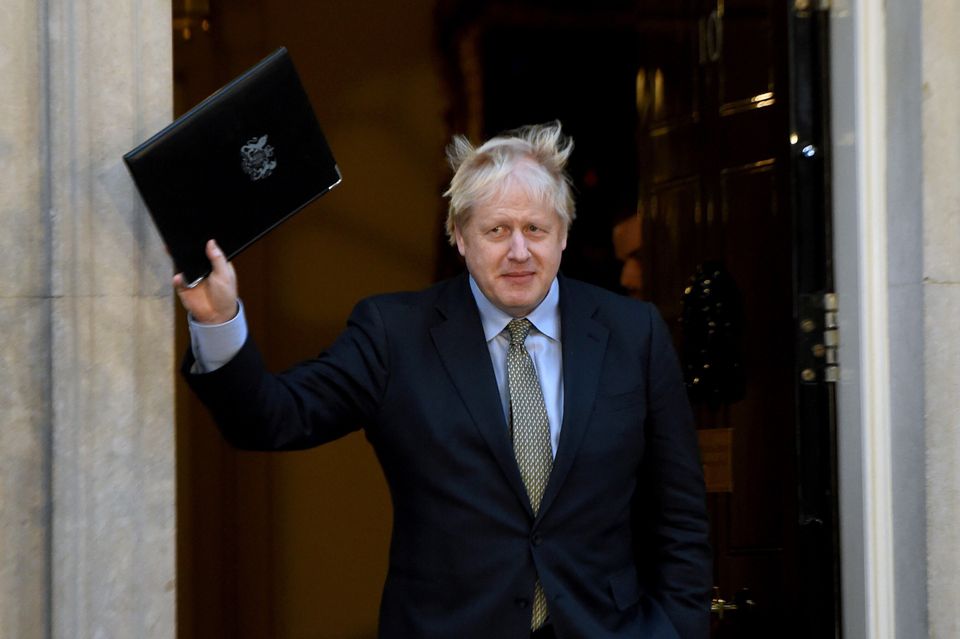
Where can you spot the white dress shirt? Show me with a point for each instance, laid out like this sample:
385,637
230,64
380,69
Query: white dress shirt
214,345
543,344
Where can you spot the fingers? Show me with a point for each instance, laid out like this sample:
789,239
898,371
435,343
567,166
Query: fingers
217,259
222,270
180,285
183,291
218,262
214,299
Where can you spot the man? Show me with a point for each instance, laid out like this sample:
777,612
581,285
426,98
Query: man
628,248
534,430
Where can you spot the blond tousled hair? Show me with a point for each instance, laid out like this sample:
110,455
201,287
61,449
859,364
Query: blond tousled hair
532,156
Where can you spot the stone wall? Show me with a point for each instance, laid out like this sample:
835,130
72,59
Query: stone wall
25,323
86,390
941,303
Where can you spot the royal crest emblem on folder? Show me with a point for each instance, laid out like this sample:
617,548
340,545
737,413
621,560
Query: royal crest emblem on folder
257,158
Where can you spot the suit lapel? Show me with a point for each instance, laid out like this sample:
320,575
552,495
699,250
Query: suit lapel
466,357
584,342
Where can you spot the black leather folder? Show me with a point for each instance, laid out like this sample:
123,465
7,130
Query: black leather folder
235,166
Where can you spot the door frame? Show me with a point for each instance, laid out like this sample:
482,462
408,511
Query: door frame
877,222
876,586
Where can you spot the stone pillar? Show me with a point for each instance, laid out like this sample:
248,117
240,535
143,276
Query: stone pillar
25,323
941,250
87,526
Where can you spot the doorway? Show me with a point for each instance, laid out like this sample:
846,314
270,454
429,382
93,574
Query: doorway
690,116
286,545
705,120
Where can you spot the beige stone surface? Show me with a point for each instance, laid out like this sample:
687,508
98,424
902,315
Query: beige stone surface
107,94
113,562
941,140
24,514
942,353
113,525
22,242
941,250
87,514
24,323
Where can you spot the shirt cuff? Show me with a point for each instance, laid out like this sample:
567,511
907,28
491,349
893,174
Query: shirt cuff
214,345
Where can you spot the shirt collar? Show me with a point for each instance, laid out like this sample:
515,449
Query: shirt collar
545,317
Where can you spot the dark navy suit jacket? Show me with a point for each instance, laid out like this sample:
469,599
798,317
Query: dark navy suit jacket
620,541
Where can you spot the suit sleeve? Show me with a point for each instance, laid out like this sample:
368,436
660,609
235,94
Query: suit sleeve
671,520
314,402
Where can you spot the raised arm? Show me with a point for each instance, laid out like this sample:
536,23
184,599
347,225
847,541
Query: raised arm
314,402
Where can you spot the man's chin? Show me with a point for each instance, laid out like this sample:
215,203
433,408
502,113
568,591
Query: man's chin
518,306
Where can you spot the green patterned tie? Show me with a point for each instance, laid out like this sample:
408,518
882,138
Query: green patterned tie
531,434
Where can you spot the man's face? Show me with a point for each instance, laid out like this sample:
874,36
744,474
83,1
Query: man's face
512,246
628,247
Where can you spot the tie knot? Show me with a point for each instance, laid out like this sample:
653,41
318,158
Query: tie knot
519,329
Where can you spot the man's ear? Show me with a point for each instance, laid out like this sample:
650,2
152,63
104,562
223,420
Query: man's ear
459,237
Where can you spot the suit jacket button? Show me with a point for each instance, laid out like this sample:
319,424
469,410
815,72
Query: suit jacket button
521,602
537,539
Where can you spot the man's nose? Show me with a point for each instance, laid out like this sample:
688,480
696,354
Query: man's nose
519,251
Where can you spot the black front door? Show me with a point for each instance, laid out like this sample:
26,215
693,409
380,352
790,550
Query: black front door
705,119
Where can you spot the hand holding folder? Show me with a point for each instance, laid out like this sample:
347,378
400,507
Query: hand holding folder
213,300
